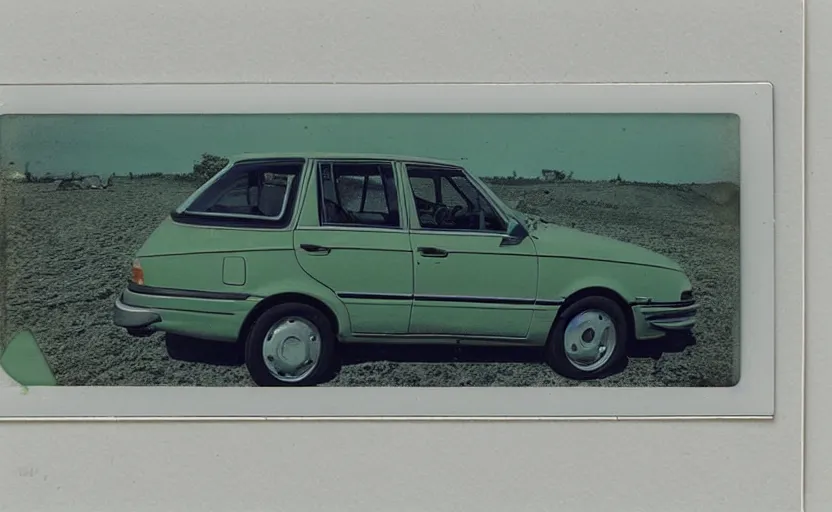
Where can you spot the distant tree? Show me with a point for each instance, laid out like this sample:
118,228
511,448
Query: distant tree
553,175
210,165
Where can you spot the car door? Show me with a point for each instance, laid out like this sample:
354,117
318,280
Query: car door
352,238
466,281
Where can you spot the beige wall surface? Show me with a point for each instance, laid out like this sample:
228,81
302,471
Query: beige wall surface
310,466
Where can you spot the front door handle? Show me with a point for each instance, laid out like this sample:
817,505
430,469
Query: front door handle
432,252
315,249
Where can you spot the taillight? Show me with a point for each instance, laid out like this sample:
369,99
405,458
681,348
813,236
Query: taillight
137,274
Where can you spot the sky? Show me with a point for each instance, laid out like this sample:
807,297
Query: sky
671,148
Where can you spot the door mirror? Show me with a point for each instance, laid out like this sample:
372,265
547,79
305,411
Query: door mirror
516,233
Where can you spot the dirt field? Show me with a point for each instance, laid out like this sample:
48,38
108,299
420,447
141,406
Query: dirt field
68,253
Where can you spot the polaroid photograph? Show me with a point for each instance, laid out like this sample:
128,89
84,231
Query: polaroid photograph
466,239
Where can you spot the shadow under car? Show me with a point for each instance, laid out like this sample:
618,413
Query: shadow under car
231,354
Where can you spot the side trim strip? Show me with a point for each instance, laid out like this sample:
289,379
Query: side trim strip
376,296
400,336
478,300
541,302
177,310
188,294
449,298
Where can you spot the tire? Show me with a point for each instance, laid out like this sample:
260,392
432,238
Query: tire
594,313
299,323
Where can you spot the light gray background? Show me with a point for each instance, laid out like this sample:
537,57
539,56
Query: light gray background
818,394
662,465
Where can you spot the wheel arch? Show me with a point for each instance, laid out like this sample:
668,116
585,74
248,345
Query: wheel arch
598,291
284,298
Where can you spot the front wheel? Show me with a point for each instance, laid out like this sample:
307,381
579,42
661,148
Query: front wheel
290,345
588,339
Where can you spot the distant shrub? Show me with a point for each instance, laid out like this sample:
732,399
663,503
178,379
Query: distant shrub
28,177
210,165
552,175
546,176
158,176
511,180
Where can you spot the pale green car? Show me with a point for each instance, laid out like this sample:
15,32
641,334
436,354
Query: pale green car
293,255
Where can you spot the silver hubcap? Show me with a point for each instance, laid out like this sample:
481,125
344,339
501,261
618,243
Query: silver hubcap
291,349
589,340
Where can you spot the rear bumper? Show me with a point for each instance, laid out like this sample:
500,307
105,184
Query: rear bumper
654,321
133,317
142,312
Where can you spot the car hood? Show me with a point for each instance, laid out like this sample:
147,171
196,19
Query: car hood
557,241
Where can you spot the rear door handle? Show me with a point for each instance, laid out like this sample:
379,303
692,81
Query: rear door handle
315,249
432,252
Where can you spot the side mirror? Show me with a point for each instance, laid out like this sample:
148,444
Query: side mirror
516,233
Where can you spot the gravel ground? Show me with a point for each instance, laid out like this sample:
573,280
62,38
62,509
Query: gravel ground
68,253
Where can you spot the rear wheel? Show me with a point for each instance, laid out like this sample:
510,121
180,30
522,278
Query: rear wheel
588,340
290,345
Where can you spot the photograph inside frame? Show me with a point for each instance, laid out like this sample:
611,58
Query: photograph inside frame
371,250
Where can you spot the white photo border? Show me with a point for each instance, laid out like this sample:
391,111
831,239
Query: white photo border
751,398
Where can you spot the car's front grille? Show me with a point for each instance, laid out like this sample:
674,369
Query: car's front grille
686,296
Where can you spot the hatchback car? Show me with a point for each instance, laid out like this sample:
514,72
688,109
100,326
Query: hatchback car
293,255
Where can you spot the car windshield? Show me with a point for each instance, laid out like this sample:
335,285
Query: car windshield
250,189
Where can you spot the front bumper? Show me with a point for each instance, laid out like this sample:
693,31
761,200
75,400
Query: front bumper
653,321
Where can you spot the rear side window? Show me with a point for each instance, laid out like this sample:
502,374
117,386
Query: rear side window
359,194
249,193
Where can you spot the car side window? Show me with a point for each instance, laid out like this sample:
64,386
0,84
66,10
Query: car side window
251,189
232,197
447,200
358,194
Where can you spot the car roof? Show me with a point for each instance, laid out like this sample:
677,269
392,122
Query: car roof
343,156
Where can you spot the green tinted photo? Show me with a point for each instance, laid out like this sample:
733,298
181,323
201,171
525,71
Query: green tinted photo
371,250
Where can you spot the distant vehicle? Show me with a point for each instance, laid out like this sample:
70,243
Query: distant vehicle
292,255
